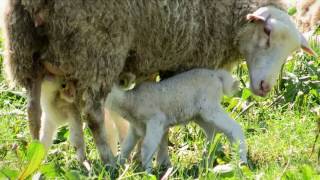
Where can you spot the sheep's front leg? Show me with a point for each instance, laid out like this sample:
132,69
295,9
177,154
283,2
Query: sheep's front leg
128,144
33,107
151,141
220,119
163,158
95,118
77,137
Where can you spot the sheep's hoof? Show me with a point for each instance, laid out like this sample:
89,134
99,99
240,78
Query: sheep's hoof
113,171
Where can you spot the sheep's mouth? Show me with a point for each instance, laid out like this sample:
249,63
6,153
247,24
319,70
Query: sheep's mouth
258,91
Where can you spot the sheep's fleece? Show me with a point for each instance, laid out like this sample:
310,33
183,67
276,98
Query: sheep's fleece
94,42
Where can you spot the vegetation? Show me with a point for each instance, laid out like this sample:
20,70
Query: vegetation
281,132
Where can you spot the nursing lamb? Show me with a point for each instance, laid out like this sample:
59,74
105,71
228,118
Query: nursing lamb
195,95
94,41
58,107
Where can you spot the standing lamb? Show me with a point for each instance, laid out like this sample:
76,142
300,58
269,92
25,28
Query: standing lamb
58,106
93,42
151,108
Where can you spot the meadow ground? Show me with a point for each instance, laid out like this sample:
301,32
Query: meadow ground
281,132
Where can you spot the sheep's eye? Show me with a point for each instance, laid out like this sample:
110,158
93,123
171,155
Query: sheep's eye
63,85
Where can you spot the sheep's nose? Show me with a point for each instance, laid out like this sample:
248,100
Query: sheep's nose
265,87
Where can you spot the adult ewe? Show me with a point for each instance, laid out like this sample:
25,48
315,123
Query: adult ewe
93,42
308,16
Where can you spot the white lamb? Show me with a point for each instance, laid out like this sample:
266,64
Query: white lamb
58,105
151,108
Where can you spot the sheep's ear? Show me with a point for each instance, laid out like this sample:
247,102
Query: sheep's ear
305,46
263,17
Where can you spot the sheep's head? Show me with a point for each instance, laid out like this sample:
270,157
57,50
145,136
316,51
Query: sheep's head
266,42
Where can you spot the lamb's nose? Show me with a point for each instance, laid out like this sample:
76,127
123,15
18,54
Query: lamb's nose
264,86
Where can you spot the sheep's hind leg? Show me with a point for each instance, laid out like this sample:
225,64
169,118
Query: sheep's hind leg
220,119
33,107
95,118
151,141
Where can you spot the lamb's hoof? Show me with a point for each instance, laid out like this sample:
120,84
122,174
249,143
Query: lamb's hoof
87,165
148,170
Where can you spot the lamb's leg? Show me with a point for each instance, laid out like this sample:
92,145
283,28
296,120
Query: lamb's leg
210,132
220,119
95,118
112,136
163,158
33,107
154,134
128,144
121,124
47,131
77,137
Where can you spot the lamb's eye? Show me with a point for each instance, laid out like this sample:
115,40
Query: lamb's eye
63,85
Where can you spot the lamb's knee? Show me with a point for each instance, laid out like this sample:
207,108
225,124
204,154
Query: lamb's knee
236,132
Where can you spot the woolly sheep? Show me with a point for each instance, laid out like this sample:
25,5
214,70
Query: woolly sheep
93,42
308,16
57,103
151,108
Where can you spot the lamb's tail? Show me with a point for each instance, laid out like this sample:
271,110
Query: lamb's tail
229,84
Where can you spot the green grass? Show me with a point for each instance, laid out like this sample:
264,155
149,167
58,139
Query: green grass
280,130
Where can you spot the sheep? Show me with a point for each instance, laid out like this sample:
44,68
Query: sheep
93,42
308,16
151,108
58,105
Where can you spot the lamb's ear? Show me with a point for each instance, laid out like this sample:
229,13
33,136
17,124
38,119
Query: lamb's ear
305,46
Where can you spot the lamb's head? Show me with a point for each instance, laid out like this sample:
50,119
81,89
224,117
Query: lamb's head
68,91
266,42
51,84
57,86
